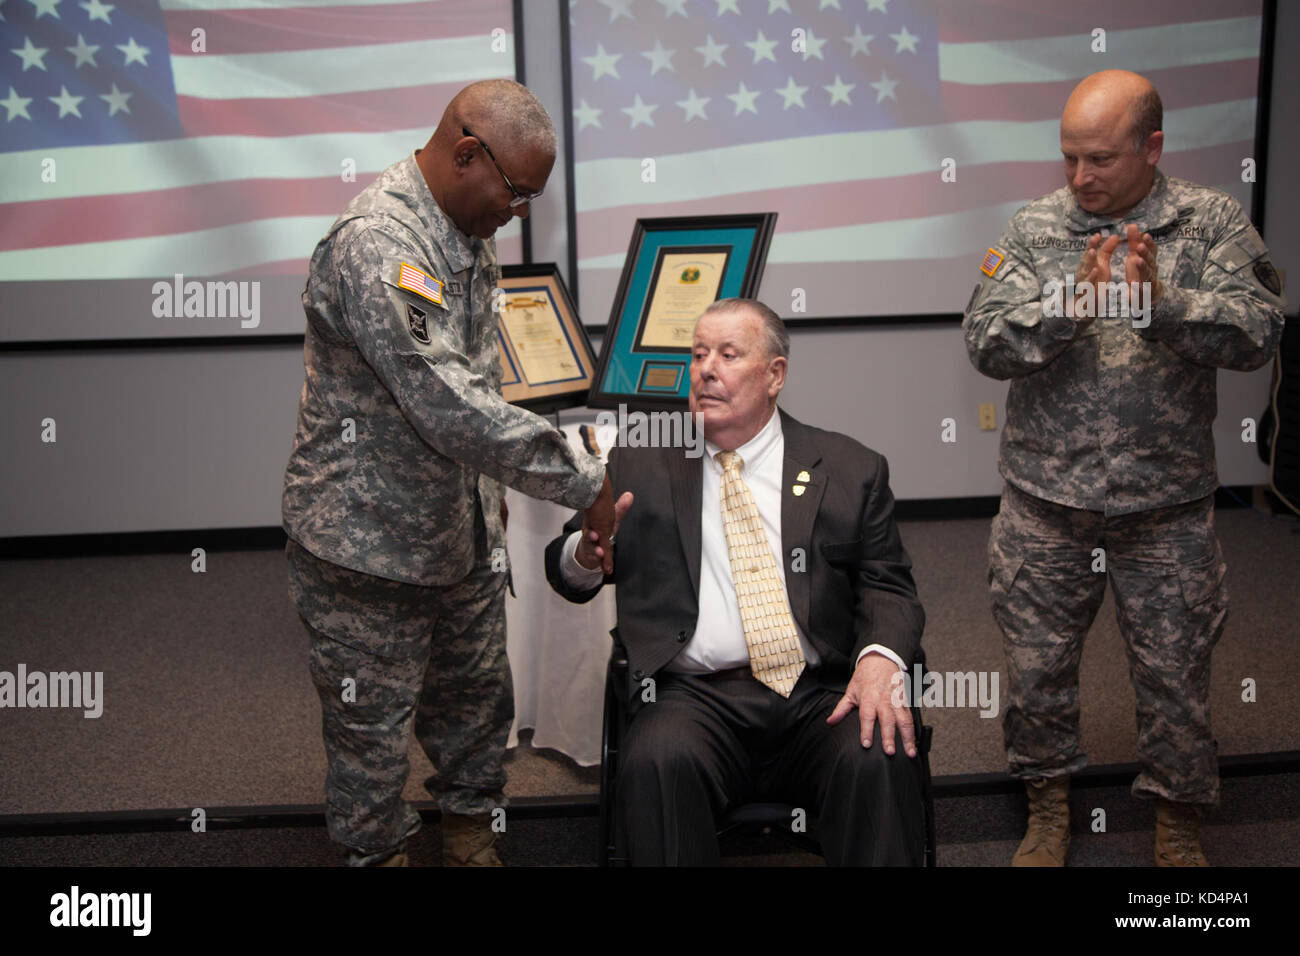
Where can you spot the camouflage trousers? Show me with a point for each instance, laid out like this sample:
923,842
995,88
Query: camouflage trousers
386,656
1167,574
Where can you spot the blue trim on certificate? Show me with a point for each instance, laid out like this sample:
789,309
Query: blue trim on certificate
623,373
677,367
555,309
505,354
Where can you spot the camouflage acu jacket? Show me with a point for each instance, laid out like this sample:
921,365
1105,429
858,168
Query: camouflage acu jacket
402,432
1104,415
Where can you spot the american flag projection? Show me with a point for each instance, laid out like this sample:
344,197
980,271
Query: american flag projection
216,137
842,116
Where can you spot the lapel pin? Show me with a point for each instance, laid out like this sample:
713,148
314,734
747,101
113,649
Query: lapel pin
803,476
799,490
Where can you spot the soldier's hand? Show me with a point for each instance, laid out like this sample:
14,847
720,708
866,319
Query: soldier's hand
1140,263
589,553
1094,268
875,691
599,525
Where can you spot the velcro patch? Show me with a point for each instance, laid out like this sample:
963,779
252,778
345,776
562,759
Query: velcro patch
992,260
1251,243
421,283
1241,250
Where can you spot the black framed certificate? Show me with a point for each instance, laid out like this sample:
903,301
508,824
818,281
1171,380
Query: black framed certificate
546,357
675,267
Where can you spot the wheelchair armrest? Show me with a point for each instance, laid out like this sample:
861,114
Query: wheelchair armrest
924,732
617,655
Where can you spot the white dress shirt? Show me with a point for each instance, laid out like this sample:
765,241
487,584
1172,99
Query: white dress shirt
719,639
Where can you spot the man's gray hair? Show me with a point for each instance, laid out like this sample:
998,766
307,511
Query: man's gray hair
1148,118
510,111
776,336
532,124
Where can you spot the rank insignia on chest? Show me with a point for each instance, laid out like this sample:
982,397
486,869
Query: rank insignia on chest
421,283
418,324
992,260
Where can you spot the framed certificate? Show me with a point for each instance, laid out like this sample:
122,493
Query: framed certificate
675,267
546,357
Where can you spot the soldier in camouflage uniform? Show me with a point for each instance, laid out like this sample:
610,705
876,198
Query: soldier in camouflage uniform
1108,445
392,496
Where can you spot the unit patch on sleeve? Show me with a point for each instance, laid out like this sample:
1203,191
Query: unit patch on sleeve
1268,276
418,324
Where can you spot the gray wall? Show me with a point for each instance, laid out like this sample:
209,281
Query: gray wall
162,439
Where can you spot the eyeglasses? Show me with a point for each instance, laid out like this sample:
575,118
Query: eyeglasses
519,199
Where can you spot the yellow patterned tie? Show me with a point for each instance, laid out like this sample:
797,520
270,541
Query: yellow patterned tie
775,655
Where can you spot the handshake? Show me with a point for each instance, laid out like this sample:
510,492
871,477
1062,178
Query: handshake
599,525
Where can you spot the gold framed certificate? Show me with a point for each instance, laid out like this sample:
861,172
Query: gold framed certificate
546,358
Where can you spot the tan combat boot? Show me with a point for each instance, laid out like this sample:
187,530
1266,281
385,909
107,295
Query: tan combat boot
1178,836
467,840
1047,838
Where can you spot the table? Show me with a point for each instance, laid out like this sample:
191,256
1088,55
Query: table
558,650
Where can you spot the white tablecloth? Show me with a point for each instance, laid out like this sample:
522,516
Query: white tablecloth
558,650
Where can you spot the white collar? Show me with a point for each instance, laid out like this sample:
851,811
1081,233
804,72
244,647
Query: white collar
757,448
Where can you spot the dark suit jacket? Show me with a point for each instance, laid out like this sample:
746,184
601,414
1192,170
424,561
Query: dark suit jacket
853,586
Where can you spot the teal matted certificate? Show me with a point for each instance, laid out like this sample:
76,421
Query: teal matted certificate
675,268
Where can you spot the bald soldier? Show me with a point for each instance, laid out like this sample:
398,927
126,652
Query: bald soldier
392,496
1110,304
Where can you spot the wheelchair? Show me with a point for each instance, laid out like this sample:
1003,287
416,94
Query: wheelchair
768,817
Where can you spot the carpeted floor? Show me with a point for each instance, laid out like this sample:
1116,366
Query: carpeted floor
1258,825
210,702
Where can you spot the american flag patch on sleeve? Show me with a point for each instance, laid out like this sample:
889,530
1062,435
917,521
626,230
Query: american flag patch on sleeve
992,259
421,283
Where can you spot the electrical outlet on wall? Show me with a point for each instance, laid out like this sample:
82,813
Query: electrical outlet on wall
988,417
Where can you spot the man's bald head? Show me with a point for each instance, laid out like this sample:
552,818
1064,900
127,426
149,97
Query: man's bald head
1111,139
494,144
1106,94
